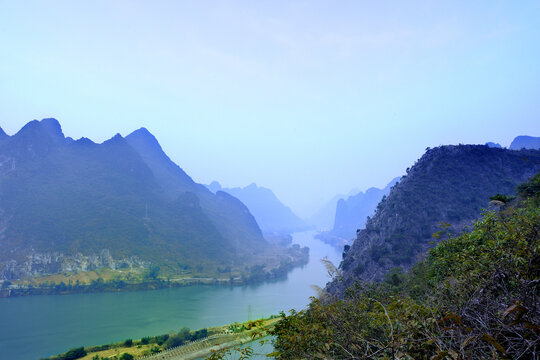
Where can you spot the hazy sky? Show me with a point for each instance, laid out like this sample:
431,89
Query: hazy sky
307,98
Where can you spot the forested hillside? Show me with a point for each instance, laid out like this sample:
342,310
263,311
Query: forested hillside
475,296
449,184
74,206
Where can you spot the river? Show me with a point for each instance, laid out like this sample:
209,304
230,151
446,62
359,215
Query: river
35,327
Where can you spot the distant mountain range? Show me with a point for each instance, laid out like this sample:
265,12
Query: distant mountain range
351,214
520,142
323,219
271,214
448,185
69,205
525,142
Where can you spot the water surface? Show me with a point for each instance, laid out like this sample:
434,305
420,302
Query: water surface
39,326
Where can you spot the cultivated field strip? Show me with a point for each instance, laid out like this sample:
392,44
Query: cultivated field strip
201,347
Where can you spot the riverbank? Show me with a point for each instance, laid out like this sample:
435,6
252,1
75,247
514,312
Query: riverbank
36,327
70,284
187,344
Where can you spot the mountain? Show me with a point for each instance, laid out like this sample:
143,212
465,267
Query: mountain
493,145
230,216
525,142
474,296
351,214
447,185
271,214
323,219
72,206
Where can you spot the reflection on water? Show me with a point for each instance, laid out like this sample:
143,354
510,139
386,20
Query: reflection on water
39,326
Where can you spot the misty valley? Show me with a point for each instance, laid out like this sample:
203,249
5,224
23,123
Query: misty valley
112,251
250,180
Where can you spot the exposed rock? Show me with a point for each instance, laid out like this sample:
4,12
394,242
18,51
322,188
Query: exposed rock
41,264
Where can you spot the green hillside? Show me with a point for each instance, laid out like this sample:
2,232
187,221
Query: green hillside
475,296
449,184
75,206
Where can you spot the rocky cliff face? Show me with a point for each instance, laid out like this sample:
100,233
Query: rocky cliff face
37,264
449,184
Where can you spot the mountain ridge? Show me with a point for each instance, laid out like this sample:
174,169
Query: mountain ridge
525,142
448,184
271,214
71,206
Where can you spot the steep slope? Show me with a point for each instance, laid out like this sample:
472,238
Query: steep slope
525,142
474,296
351,214
323,219
271,214
229,215
77,206
448,184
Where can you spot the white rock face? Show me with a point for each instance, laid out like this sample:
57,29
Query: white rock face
39,264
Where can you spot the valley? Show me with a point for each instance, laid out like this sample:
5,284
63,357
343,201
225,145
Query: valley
40,326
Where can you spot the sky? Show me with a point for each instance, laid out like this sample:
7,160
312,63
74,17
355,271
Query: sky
307,98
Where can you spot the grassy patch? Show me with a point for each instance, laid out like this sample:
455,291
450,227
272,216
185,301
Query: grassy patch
153,344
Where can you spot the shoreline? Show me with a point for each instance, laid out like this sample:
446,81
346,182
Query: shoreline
222,338
122,286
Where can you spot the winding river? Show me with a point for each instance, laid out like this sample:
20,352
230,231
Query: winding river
35,327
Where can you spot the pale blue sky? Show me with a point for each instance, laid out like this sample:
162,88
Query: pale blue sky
308,98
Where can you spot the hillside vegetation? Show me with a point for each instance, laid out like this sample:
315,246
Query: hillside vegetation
475,296
448,184
69,207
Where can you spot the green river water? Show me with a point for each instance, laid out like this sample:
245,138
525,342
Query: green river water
39,326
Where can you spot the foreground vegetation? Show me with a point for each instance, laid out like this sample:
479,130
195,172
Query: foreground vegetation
475,296
134,349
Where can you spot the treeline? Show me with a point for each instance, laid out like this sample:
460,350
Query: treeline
168,341
96,285
475,296
155,344
151,281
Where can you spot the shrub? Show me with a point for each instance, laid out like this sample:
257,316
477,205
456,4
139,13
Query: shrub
73,354
474,297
